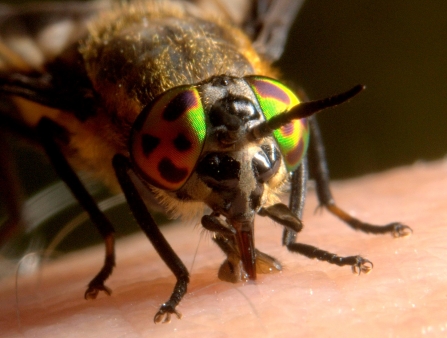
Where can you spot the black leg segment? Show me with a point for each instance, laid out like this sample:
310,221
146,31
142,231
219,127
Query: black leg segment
297,199
47,132
10,192
296,205
319,169
357,263
153,233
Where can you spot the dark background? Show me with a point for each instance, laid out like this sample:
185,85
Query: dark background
398,49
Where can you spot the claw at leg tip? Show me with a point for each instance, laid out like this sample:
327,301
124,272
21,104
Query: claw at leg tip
401,230
364,266
93,291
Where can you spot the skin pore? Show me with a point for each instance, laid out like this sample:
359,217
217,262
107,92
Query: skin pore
404,295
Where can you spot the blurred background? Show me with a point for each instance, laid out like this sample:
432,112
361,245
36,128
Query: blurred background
398,49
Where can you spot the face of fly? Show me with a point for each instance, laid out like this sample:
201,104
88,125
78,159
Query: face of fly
194,142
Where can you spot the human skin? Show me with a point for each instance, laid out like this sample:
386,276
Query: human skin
405,295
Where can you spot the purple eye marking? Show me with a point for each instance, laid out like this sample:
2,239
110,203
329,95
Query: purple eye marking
295,155
269,90
178,105
287,130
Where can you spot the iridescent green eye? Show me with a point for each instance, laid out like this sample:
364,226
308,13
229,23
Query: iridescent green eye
274,98
168,137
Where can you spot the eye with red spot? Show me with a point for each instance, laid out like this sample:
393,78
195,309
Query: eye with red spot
168,137
274,98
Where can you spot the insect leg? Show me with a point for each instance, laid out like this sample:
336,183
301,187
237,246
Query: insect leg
11,192
122,165
48,131
357,263
297,198
296,205
9,182
318,167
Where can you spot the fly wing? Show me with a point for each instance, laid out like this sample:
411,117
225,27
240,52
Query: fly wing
34,33
273,20
267,22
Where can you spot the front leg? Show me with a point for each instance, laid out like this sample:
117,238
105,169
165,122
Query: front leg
122,166
298,193
357,263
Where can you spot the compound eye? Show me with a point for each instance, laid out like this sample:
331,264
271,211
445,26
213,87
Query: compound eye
167,138
274,98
